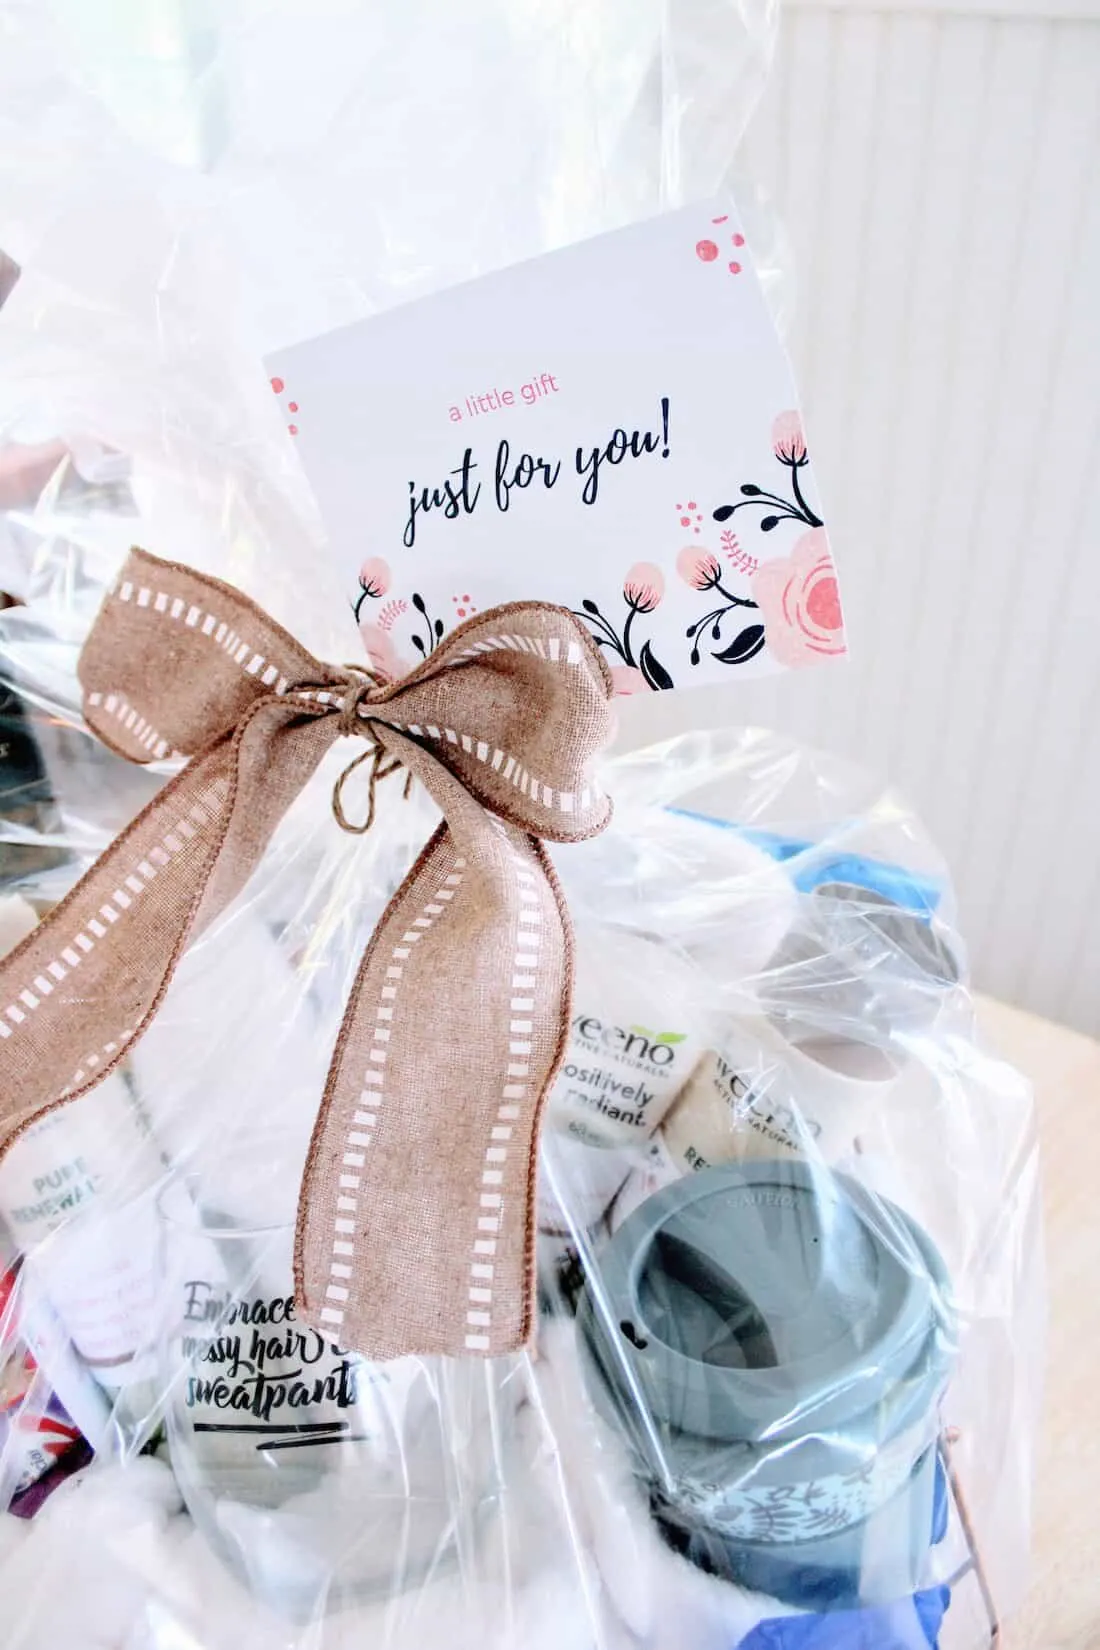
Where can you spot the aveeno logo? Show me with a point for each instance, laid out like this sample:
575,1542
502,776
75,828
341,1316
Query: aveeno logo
654,1048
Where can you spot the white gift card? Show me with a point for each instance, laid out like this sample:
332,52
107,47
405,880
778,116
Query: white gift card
611,427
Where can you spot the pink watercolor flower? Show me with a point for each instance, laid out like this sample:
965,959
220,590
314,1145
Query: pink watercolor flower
374,576
799,601
625,680
644,586
698,568
382,655
788,441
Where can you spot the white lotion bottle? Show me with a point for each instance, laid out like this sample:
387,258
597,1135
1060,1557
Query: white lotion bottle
638,1029
92,1157
762,1094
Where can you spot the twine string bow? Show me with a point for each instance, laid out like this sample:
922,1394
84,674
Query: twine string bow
415,1226
362,687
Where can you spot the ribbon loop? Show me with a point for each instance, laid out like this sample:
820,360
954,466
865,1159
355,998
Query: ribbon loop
176,659
415,1227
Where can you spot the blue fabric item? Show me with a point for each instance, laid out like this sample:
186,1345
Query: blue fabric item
906,888
910,1624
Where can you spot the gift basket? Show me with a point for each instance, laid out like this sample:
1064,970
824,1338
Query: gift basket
460,1184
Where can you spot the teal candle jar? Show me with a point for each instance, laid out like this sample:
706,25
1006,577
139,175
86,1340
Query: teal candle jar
773,1341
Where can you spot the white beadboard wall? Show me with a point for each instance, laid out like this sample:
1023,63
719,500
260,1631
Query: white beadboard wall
938,172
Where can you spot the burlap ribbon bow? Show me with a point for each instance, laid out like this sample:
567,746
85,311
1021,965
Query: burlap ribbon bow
415,1227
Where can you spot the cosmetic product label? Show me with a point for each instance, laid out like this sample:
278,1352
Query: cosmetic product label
96,1148
732,1110
93,1156
35,1429
617,1081
762,1096
101,1281
35,1435
636,1034
51,1348
612,427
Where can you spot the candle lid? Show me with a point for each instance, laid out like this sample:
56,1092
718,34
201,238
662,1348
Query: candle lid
757,1302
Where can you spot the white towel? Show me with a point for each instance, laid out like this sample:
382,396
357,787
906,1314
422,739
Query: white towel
659,1600
112,1562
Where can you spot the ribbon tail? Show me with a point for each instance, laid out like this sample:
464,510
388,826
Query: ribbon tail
425,1151
81,989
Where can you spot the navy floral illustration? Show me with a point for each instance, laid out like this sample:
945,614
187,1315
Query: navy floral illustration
639,669
703,572
789,447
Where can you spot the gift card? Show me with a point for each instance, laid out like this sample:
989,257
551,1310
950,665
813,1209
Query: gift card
612,427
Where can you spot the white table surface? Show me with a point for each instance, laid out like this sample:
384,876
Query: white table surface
1063,1607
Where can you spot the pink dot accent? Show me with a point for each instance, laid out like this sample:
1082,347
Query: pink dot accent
465,598
707,251
278,386
739,240
823,604
293,428
292,406
685,521
691,504
462,612
735,269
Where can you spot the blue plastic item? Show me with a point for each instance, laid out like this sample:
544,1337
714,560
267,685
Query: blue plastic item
910,1624
906,888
